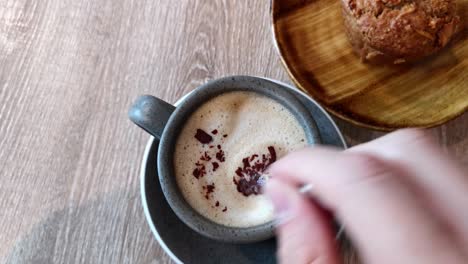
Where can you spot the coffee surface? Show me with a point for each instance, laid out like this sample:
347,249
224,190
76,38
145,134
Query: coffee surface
222,151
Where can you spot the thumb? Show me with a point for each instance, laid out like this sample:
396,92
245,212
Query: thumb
304,230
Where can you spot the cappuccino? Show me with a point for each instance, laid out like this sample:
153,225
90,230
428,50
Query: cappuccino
222,151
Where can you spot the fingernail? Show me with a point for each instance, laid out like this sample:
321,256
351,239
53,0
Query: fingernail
281,202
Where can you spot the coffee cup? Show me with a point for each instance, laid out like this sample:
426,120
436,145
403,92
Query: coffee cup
189,153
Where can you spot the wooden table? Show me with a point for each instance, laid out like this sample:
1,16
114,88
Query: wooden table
69,157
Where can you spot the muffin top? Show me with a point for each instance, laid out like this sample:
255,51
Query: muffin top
405,29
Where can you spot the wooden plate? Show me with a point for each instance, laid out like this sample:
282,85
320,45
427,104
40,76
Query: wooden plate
312,43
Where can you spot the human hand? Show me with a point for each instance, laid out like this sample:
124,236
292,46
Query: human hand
400,198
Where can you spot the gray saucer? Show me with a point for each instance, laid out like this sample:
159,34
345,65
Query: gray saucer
186,246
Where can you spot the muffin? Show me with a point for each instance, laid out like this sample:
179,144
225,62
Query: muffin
399,31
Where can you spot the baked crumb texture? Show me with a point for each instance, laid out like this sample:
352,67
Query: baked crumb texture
399,31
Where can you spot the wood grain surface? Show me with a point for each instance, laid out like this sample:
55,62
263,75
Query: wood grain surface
69,157
312,40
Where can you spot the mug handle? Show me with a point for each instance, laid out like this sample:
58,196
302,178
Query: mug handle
151,114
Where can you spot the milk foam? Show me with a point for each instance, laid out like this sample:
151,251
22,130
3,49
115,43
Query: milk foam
252,123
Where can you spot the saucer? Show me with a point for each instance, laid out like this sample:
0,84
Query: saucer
183,244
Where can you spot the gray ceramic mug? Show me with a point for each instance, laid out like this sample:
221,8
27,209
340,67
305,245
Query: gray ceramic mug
164,121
